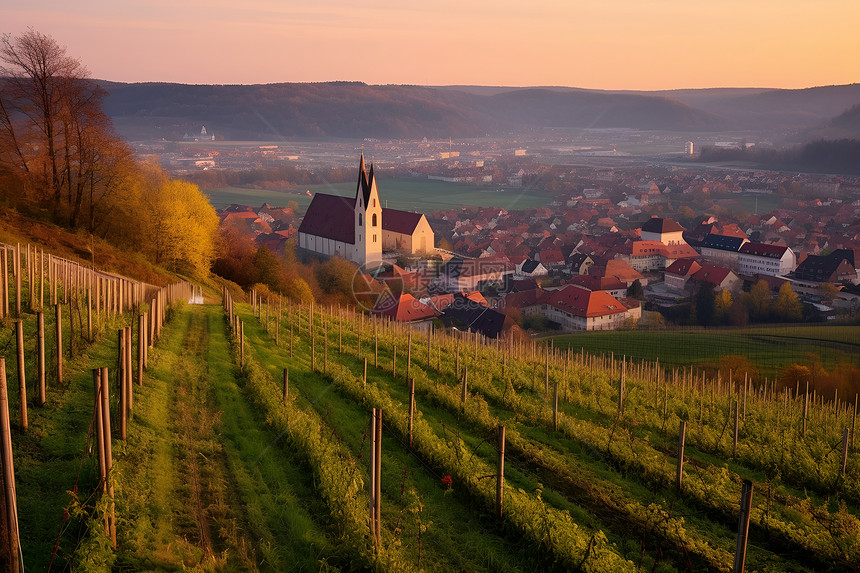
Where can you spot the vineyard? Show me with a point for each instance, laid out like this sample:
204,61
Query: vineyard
259,435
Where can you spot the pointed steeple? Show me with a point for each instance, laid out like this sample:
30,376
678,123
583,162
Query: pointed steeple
364,182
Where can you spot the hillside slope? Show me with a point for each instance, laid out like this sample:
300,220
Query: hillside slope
357,110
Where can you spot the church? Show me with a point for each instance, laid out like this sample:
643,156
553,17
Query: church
360,229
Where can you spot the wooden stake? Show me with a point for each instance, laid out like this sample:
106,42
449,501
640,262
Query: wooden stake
108,452
412,409
364,378
40,321
555,407
737,420
500,474
682,434
141,348
22,376
58,318
845,434
464,390
286,385
743,526
11,542
123,387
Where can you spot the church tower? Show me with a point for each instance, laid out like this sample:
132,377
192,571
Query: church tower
368,218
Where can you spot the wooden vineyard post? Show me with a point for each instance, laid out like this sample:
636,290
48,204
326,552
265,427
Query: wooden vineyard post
10,543
123,387
854,421
108,449
805,407
546,374
325,346
99,437
735,438
141,348
409,354
375,347
375,475
291,335
89,315
40,320
746,385
59,327
845,434
412,411
364,377
22,377
621,387
128,368
500,474
743,526
429,345
464,392
286,385
682,434
17,266
313,347
394,361
4,288
241,343
555,407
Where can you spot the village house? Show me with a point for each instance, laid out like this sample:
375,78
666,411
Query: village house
579,309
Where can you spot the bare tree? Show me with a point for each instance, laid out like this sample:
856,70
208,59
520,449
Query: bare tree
51,123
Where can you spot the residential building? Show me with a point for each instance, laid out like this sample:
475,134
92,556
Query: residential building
761,258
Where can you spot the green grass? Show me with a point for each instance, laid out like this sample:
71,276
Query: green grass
412,194
254,495
769,348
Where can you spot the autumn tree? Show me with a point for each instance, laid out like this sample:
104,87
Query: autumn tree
179,225
758,300
787,305
52,126
722,306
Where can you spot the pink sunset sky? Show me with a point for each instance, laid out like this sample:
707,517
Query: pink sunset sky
608,44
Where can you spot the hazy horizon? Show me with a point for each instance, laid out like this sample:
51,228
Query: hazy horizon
624,45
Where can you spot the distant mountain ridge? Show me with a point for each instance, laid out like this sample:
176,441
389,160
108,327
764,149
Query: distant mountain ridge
358,110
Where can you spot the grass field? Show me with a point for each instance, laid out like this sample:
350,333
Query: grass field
770,348
413,194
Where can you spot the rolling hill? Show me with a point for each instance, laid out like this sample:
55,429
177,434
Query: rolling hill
357,110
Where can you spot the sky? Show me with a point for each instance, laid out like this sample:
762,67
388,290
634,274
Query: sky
600,44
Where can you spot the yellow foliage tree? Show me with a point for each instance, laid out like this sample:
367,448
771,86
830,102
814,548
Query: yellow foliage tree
722,305
179,225
787,305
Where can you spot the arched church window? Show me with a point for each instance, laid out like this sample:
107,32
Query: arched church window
359,219
374,220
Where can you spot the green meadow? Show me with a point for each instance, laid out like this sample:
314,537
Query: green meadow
769,348
412,194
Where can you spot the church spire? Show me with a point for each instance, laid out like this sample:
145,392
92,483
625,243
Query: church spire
364,182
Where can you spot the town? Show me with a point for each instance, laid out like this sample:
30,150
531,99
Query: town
619,244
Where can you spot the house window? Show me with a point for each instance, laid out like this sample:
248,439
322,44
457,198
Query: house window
373,221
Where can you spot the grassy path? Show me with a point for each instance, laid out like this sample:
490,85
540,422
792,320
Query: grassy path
204,483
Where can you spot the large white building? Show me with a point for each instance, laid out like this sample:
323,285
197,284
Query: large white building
763,259
360,229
